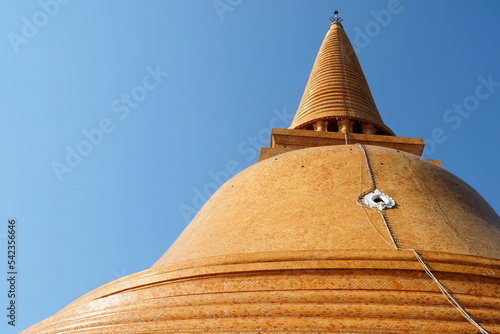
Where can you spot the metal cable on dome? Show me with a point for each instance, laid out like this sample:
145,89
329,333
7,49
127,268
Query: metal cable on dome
373,188
448,295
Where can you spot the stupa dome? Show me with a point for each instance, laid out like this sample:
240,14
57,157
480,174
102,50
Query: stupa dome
308,200
286,247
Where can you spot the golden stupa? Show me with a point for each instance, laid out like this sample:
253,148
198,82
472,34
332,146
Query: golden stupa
341,227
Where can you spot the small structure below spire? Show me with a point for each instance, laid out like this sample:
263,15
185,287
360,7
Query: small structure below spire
336,17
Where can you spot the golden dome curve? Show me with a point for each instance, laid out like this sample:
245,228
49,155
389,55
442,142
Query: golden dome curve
308,200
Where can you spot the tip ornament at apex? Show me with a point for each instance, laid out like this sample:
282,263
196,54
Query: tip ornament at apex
336,17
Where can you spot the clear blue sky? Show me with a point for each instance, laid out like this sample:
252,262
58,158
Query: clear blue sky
219,78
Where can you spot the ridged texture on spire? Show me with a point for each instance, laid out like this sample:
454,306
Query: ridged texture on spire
337,87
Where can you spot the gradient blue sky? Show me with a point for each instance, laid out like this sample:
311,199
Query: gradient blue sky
229,75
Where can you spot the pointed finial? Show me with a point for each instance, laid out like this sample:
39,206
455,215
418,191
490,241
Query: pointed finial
336,18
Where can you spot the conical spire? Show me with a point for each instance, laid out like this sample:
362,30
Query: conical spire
337,96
